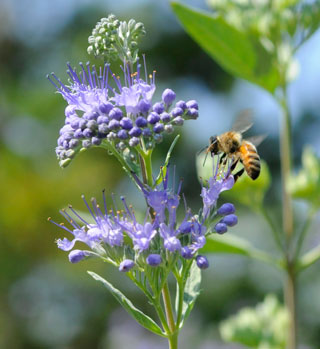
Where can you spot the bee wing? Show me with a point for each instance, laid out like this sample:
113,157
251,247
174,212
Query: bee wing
257,140
243,121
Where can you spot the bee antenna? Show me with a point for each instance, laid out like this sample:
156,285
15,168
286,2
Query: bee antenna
201,150
205,158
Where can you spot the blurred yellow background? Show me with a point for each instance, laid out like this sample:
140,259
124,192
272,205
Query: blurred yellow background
45,302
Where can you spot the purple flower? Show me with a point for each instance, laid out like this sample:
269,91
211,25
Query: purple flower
154,260
99,104
187,252
171,243
216,185
141,235
126,265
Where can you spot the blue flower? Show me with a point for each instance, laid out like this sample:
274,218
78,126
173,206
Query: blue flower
221,180
101,107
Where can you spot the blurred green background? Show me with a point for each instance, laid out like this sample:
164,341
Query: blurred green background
45,302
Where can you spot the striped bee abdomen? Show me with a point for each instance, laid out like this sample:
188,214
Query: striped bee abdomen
250,159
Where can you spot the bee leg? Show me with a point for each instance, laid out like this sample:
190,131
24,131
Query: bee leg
238,174
234,164
223,157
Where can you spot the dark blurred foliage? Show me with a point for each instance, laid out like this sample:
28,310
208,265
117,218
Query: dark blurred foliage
45,302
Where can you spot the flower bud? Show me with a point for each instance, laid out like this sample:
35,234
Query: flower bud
134,141
122,134
230,220
192,104
176,112
226,209
141,121
182,105
126,123
168,96
221,228
144,106
158,107
153,118
154,260
126,265
178,121
202,262
165,117
116,114
113,124
158,127
105,107
76,256
135,132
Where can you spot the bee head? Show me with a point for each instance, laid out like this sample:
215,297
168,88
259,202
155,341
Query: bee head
213,145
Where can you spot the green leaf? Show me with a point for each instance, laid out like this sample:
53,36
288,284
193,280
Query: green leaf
237,52
246,191
232,244
191,291
163,172
309,258
306,184
137,314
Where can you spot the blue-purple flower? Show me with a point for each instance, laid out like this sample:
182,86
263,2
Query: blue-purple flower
221,180
102,108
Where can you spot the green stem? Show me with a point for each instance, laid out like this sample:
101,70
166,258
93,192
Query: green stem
285,157
173,336
112,149
290,300
287,217
181,285
161,316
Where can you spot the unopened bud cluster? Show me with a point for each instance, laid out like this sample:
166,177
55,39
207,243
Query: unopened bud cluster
112,39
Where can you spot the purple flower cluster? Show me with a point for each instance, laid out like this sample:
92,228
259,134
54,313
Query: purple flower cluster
101,109
158,235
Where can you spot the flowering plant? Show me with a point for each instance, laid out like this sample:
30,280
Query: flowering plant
119,116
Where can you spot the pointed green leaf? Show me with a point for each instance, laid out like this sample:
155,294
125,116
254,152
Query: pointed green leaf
163,173
191,291
309,258
143,319
232,244
237,52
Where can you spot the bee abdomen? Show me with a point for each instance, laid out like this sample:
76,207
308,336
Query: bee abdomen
250,159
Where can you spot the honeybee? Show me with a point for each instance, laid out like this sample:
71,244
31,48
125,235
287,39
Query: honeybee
232,145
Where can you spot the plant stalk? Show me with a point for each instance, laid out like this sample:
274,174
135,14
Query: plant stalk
287,218
173,338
